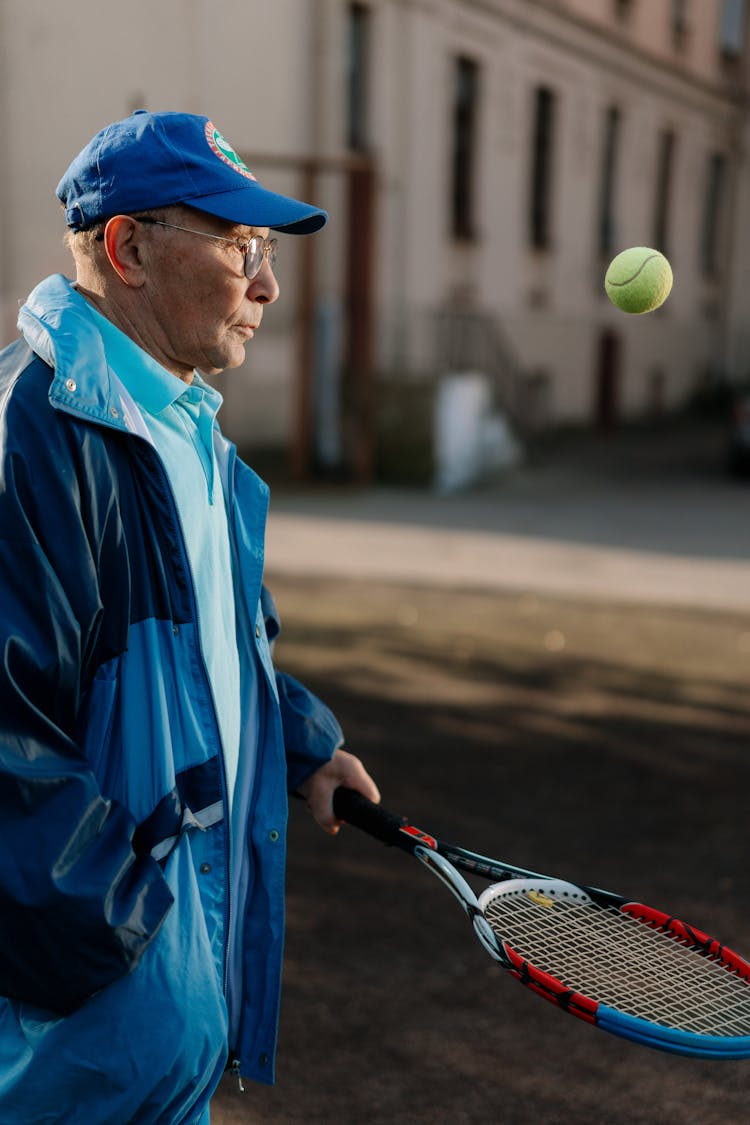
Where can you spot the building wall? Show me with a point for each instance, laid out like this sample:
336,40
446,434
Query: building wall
67,71
273,77
551,301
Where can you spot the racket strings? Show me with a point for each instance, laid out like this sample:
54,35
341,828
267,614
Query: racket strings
618,961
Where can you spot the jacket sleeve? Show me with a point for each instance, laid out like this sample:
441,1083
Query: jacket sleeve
77,906
311,730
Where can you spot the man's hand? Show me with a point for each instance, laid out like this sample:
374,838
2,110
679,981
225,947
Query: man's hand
342,769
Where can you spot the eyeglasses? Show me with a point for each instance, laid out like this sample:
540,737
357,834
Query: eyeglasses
254,251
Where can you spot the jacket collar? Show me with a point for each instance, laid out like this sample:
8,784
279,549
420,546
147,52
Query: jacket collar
57,324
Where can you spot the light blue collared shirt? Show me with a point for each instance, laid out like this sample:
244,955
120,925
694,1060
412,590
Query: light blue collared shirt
180,420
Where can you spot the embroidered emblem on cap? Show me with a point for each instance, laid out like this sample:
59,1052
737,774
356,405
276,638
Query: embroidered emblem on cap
221,147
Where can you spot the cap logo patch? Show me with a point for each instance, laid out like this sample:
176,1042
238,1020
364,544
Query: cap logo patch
221,148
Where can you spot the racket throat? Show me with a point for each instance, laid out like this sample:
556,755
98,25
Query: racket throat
458,886
489,939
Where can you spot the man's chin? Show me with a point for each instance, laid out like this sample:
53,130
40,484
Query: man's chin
235,359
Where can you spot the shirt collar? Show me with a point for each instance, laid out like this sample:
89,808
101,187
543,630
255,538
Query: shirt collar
151,385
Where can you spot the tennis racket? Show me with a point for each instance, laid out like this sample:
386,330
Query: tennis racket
624,967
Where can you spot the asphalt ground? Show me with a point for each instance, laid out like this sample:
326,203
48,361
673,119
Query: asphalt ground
597,731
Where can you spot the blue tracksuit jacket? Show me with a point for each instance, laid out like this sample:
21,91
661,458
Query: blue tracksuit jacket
115,918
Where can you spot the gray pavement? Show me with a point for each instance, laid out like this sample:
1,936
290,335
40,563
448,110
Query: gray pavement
644,515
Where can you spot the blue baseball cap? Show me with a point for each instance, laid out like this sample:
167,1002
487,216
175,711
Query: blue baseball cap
158,159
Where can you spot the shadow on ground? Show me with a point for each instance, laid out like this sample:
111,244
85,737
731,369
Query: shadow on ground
602,743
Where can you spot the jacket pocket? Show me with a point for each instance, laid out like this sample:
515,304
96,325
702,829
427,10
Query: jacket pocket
149,1048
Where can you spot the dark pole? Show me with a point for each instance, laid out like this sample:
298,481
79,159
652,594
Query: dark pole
358,374
300,452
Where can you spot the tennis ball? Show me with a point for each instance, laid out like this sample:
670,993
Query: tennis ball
638,280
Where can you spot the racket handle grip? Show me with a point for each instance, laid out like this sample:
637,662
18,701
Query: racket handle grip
357,810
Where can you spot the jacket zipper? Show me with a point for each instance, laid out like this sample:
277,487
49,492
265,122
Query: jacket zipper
235,1071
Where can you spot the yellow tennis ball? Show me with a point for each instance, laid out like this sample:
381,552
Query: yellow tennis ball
638,280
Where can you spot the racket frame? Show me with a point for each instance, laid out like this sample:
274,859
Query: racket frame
445,861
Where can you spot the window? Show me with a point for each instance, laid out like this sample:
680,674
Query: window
358,44
664,172
716,174
680,24
623,10
732,27
463,157
610,146
541,167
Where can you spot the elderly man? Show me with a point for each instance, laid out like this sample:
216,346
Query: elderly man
147,745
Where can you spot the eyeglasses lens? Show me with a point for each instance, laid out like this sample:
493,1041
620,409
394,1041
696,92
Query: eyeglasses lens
257,250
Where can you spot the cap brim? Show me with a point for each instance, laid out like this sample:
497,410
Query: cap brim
255,206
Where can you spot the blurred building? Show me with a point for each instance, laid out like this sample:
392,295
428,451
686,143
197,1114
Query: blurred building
482,161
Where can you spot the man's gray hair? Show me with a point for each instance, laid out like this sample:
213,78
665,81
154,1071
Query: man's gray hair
86,242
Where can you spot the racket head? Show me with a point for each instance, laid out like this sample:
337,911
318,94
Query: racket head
630,970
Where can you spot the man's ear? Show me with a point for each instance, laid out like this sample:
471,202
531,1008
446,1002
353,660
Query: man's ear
122,243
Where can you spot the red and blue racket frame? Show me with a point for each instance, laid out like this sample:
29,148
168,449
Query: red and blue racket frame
443,860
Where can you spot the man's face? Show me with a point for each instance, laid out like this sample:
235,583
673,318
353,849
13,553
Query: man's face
202,309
